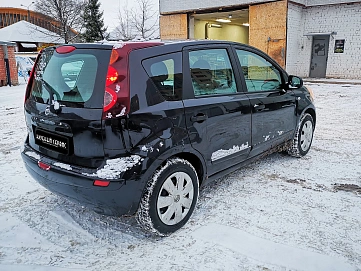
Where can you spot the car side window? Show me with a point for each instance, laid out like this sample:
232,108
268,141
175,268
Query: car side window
211,72
260,74
166,74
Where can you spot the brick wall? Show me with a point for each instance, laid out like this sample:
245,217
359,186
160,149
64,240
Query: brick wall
2,68
12,64
345,19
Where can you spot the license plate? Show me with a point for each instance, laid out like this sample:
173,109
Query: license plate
52,141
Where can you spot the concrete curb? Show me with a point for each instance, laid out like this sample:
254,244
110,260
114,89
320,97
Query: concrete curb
332,81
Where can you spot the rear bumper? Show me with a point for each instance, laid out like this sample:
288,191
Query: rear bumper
119,198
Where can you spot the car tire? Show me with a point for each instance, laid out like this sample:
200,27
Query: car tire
169,198
303,137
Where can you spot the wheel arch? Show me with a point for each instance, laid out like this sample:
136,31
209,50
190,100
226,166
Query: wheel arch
196,162
312,112
187,153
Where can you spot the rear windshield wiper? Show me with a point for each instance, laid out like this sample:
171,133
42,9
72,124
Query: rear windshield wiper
51,90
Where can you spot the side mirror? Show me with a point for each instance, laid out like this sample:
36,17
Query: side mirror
295,81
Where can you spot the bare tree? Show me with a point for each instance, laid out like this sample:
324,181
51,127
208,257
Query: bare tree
68,14
125,29
145,19
138,22
49,36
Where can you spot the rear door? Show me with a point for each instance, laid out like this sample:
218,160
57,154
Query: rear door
217,112
64,106
273,107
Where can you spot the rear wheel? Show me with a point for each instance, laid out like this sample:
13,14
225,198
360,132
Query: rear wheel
303,137
169,198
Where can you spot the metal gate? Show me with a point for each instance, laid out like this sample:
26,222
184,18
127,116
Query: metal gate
319,56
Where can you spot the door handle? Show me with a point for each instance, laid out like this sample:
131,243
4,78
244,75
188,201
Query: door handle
259,107
200,117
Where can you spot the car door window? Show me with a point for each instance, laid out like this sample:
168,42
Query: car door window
211,72
259,74
166,75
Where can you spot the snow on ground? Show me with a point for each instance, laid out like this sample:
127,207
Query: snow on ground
280,213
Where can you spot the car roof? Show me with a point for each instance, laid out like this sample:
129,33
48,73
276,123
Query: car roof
175,44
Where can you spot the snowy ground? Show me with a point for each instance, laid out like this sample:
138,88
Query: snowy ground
280,213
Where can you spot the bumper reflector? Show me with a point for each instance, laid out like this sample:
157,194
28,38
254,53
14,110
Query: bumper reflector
101,183
43,166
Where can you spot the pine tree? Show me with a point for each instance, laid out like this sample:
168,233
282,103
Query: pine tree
93,22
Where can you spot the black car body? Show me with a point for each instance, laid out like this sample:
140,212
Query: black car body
109,123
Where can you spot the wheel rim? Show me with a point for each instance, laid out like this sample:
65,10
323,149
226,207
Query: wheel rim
306,135
175,198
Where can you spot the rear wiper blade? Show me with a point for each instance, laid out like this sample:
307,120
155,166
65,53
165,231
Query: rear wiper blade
51,90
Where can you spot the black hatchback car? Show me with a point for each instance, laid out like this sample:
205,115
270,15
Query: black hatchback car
137,127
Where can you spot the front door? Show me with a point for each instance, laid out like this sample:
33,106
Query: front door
319,56
218,113
273,108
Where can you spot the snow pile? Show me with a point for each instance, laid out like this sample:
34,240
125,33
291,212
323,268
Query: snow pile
64,166
33,155
114,167
223,153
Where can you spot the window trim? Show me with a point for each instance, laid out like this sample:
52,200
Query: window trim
281,71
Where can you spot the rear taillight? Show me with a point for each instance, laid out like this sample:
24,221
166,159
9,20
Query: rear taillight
116,95
117,92
110,99
112,76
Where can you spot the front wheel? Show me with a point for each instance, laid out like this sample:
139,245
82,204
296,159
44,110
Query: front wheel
303,137
169,197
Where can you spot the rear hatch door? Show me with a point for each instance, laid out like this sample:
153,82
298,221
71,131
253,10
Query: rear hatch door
64,103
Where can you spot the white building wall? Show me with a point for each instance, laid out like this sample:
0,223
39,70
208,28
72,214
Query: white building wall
346,21
311,3
343,19
298,53
169,6
302,2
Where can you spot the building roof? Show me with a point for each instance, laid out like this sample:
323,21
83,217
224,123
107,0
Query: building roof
7,43
26,32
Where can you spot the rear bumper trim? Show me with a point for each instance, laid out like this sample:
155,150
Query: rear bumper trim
120,197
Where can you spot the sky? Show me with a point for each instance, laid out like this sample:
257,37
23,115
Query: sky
110,8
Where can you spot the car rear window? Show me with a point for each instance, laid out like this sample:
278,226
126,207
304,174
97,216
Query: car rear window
70,78
165,72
